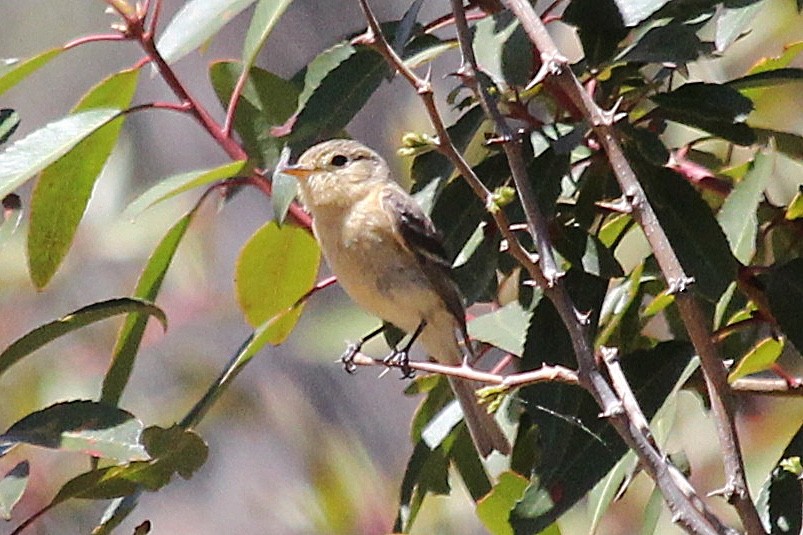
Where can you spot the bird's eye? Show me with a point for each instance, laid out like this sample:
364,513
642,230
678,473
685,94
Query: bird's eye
338,160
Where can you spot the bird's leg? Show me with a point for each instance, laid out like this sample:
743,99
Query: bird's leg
347,358
401,359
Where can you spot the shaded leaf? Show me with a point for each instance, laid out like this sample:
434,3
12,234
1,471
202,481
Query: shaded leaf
695,236
738,217
97,429
148,286
173,185
718,109
12,486
195,23
494,509
505,328
266,101
673,43
760,357
266,14
785,293
600,26
785,142
588,252
427,471
766,79
779,499
14,71
62,192
75,320
26,157
276,267
116,512
9,121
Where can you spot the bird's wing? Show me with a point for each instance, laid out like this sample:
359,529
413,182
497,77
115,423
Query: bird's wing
415,232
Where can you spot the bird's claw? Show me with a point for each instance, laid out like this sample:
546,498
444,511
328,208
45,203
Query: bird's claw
401,360
347,358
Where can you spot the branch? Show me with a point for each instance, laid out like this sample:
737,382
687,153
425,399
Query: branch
691,313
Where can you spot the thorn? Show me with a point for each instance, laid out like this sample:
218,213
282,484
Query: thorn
550,65
614,410
622,205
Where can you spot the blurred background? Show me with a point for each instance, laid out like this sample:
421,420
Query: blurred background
296,445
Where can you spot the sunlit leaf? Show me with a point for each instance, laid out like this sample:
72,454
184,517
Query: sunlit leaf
795,208
75,320
14,71
194,24
738,217
63,189
12,486
173,185
26,157
732,23
494,509
505,328
266,14
89,427
760,357
276,267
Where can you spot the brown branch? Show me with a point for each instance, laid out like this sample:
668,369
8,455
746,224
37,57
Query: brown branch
690,310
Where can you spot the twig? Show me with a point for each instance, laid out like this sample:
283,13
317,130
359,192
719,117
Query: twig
690,311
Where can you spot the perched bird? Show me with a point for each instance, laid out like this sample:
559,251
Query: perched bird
388,257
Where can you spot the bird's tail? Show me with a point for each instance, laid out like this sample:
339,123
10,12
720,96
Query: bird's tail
484,429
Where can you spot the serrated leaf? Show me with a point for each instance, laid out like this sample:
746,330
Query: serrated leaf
695,236
266,14
9,121
718,109
62,192
12,486
195,24
738,215
26,157
266,101
75,320
148,286
176,184
760,357
505,328
15,71
494,509
276,267
89,427
785,293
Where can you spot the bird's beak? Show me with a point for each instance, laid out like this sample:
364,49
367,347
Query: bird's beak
299,171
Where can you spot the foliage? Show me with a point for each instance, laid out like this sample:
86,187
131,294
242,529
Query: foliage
719,197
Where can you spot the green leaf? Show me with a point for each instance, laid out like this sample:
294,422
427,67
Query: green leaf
276,267
738,217
494,509
781,494
794,210
266,15
427,471
28,156
766,79
505,328
97,429
195,24
148,286
63,189
673,43
718,109
785,142
266,101
75,320
784,286
760,357
693,232
15,71
176,184
9,121
600,26
11,488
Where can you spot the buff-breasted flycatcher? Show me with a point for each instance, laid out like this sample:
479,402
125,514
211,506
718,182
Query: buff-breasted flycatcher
388,257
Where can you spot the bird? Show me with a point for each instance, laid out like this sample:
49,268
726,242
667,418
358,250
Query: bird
389,258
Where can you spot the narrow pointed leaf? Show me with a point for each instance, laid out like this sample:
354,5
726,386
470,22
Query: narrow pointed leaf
89,427
266,15
176,184
63,189
22,160
75,320
148,286
276,267
195,24
760,357
9,121
14,71
12,487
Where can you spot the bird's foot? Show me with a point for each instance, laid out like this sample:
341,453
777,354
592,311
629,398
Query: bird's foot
347,358
401,360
